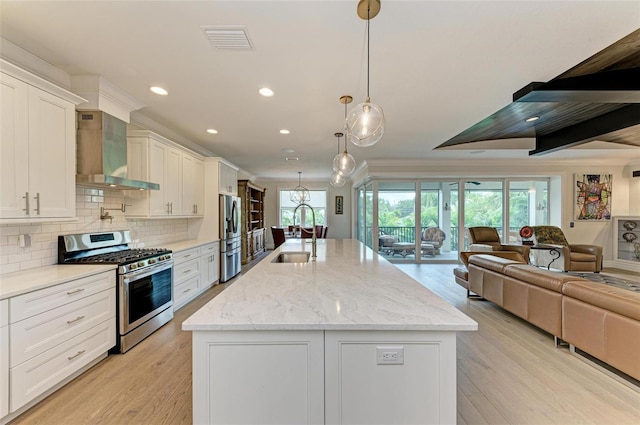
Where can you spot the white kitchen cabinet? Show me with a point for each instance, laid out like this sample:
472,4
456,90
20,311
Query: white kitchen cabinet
4,358
227,179
180,174
192,186
210,264
420,389
186,276
264,370
57,331
37,150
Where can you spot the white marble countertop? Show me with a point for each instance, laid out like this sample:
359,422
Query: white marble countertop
22,282
188,244
348,287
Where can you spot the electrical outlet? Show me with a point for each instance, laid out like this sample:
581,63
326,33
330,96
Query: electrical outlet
390,355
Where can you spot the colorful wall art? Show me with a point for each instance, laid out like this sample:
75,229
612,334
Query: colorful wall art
593,197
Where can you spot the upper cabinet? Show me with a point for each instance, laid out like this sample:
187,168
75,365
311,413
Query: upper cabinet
37,148
192,185
180,174
228,180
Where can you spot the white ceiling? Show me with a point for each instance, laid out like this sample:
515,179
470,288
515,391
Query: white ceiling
437,67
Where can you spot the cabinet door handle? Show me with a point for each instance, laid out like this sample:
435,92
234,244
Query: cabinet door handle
186,290
26,200
75,291
168,208
37,198
186,271
76,355
75,320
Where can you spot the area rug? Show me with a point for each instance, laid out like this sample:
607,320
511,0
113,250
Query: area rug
610,280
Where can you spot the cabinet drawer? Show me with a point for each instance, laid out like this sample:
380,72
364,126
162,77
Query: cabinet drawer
185,291
35,335
186,271
39,301
186,255
34,377
212,248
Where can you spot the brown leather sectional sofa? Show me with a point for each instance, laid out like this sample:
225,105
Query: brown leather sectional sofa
599,319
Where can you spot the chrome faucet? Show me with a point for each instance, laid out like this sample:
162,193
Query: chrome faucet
313,232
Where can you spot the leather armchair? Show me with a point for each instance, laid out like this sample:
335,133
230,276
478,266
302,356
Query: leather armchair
484,238
574,258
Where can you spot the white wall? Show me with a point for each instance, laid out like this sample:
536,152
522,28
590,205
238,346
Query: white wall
339,224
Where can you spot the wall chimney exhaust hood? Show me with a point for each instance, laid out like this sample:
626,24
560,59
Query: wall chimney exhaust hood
102,153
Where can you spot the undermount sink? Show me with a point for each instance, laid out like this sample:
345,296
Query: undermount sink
292,257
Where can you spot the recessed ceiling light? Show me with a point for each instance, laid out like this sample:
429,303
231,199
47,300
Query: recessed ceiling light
532,119
292,158
158,90
266,92
284,131
212,131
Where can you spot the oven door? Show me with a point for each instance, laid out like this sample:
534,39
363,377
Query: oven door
144,294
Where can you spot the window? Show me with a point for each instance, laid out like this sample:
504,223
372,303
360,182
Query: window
304,216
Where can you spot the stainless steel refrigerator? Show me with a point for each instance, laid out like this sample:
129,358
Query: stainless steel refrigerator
230,248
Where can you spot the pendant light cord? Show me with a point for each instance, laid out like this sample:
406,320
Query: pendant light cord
368,44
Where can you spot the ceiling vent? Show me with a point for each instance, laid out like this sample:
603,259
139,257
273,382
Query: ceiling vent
228,37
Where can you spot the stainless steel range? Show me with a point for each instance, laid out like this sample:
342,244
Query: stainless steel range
144,276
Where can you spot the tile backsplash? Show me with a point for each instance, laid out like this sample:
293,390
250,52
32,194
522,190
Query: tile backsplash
43,250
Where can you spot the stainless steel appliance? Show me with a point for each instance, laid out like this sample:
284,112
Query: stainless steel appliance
144,276
102,152
230,261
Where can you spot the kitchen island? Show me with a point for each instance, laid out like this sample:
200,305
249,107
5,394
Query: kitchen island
347,338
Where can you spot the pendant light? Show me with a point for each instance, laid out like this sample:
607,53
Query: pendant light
337,179
344,163
365,122
299,194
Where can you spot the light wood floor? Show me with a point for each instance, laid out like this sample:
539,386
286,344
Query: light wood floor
509,372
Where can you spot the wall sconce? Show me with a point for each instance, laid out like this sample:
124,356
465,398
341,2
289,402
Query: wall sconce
541,207
446,206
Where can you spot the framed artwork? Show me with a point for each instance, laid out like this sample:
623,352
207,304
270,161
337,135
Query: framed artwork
593,197
339,204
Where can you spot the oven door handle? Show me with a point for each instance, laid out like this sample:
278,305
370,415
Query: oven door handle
132,276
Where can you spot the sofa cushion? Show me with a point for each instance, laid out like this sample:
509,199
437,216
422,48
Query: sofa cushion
582,257
621,301
492,262
553,281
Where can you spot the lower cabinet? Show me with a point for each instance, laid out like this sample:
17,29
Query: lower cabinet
194,271
333,377
4,358
55,332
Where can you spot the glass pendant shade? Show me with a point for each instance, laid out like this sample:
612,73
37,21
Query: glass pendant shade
337,180
344,163
365,124
299,194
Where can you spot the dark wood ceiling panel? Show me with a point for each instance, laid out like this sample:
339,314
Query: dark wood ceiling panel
510,121
625,53
599,99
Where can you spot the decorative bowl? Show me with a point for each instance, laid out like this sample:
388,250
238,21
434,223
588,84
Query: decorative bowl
526,232
629,237
629,225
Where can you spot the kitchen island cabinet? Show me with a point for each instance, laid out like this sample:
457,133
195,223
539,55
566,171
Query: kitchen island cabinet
347,338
